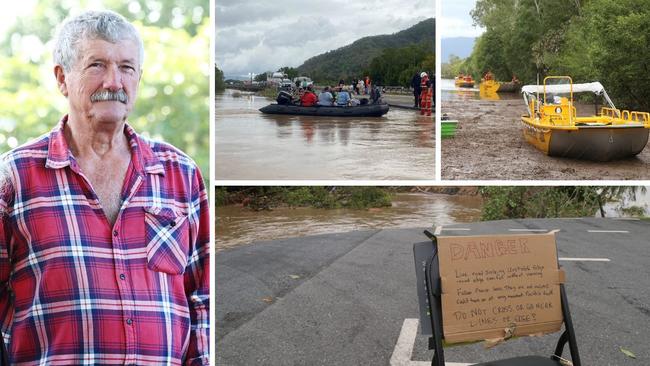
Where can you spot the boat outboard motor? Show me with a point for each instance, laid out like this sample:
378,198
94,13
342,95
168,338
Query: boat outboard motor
284,98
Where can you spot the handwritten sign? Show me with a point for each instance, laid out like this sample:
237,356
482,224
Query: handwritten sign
490,283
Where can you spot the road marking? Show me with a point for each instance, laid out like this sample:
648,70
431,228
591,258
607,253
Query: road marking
404,347
608,231
584,259
531,230
437,231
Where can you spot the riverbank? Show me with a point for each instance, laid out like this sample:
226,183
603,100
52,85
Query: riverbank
237,225
489,145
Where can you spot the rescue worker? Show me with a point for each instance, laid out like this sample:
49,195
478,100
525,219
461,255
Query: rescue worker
426,95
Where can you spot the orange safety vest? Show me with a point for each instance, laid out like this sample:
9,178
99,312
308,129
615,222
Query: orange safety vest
425,97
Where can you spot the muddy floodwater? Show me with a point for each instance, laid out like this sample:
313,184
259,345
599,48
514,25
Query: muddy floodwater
236,225
489,144
252,145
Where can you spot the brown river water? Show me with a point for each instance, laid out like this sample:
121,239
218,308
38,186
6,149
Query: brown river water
252,145
236,225
489,144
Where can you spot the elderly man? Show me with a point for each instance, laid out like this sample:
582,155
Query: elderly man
104,235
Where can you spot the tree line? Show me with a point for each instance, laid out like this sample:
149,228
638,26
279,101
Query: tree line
604,40
394,67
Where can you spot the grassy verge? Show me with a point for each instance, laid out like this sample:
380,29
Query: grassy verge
264,198
270,93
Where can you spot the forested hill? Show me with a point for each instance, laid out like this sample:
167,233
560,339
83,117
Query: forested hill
352,60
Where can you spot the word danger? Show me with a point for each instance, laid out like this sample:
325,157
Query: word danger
488,249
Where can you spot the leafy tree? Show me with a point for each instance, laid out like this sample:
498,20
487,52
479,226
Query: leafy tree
609,43
260,77
173,96
540,202
522,36
290,71
396,66
454,66
219,84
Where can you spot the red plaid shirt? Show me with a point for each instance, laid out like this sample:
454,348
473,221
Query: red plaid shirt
76,291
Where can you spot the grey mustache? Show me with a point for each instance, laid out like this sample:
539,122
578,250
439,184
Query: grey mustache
104,95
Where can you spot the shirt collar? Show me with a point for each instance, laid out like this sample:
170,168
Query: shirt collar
142,156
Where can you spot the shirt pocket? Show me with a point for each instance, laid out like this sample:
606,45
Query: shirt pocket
167,239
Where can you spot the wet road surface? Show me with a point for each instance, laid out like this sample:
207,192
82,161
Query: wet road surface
342,299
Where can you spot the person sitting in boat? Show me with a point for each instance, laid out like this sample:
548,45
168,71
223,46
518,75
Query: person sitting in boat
343,97
488,76
325,98
360,87
309,98
375,94
296,95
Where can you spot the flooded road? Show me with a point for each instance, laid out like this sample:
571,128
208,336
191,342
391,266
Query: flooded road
236,225
252,145
489,144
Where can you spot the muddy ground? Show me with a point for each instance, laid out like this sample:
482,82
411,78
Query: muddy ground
489,145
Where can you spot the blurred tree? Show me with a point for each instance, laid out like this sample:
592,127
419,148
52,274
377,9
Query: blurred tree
396,66
508,202
455,66
609,43
290,71
173,96
260,77
219,83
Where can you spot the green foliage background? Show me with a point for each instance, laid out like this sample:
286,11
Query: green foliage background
262,198
604,40
396,66
173,99
510,202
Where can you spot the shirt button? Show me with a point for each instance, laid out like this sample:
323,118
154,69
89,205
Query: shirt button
173,223
129,321
122,276
115,233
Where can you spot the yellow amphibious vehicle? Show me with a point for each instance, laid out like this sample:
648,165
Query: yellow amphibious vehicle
464,81
554,127
489,86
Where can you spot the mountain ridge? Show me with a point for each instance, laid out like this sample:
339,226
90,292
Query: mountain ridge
359,54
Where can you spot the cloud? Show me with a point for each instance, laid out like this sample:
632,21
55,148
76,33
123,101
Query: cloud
456,20
254,36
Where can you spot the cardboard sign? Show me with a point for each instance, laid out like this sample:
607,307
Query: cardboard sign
491,283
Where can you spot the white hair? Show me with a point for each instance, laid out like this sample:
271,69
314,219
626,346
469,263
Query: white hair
105,25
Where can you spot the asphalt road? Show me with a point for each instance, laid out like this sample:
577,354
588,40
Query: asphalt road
343,299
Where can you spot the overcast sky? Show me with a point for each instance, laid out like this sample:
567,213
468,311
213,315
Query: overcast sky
256,36
455,20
